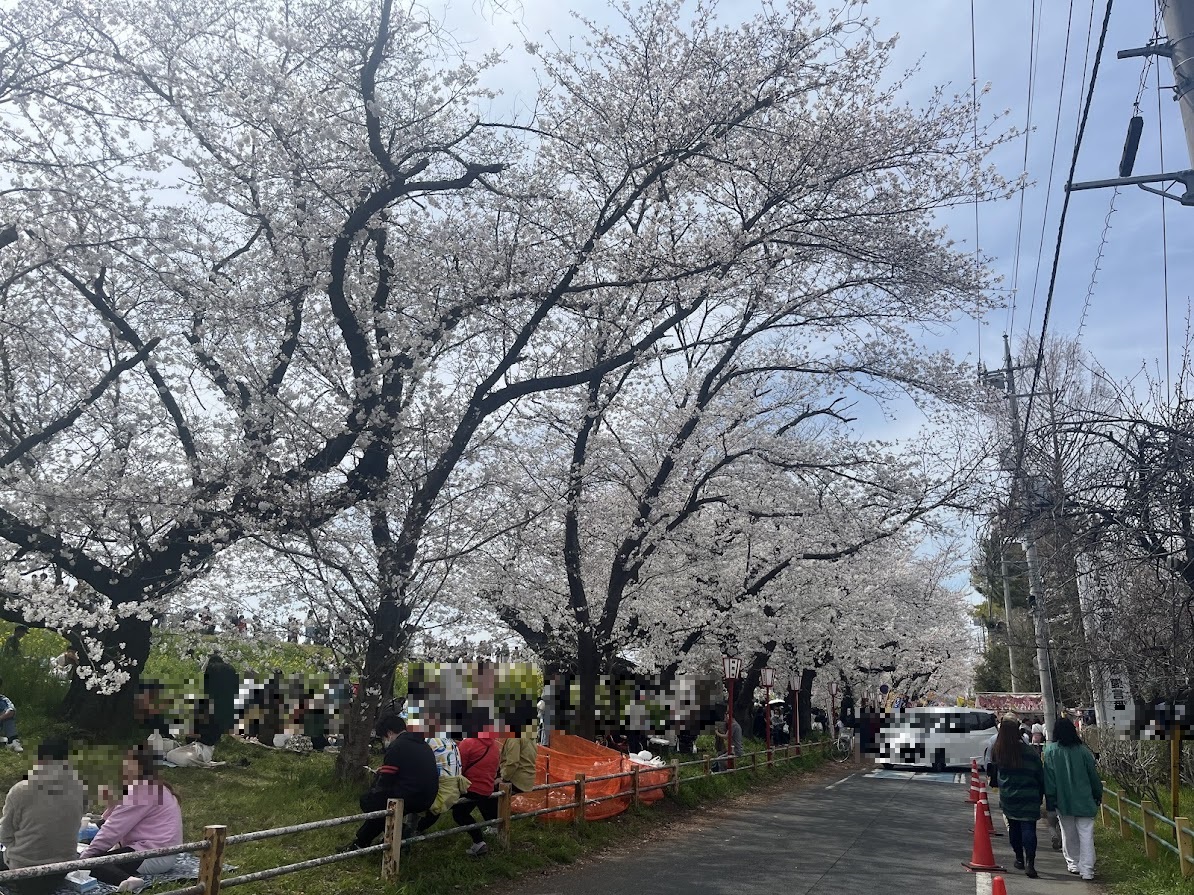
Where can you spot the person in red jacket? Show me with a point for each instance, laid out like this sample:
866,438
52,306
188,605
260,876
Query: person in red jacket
479,757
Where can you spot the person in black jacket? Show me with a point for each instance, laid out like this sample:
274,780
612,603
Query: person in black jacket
408,772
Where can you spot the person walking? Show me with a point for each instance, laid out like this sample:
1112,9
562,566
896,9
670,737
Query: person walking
1074,790
1021,779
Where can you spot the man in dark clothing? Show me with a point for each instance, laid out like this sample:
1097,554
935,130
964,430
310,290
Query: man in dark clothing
221,683
12,646
408,772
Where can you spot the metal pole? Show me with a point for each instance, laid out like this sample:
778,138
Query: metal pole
730,726
1036,592
767,720
796,714
1179,28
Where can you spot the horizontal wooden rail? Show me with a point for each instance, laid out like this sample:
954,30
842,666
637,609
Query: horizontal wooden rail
1183,848
99,861
211,881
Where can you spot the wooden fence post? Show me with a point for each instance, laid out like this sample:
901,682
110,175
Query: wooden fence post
1105,810
754,761
504,812
1150,825
1185,846
770,758
578,813
708,766
634,785
1125,831
211,863
675,776
391,856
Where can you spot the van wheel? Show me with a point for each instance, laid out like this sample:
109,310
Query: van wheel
939,760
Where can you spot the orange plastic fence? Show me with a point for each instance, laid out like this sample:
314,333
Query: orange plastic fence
570,755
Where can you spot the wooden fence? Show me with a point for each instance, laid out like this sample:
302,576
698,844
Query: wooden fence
215,837
1181,845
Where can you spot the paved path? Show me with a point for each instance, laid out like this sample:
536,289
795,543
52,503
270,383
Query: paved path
875,833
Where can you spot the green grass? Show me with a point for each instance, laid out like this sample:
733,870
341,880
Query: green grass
1122,863
1124,869
281,789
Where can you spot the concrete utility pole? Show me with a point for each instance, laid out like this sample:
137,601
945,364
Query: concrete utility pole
1012,663
1036,591
1179,29
1178,47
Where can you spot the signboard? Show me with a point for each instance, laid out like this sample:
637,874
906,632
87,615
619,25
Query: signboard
1021,703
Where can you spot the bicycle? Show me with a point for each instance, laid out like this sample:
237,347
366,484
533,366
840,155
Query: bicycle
843,747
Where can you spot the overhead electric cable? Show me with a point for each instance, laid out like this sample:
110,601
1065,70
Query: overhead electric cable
974,116
1164,240
1033,37
1040,252
1065,207
1115,193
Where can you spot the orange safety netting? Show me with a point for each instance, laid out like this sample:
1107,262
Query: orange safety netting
570,755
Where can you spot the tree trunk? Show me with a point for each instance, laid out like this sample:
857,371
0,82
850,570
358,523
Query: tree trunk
807,676
588,669
112,712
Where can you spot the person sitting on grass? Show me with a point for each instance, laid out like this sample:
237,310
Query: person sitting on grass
12,646
201,741
150,713
40,824
148,816
64,664
408,772
8,725
452,784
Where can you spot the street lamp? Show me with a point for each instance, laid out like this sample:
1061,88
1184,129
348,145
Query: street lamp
833,690
794,685
731,667
768,677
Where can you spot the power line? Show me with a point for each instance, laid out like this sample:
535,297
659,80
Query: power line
1033,36
1040,252
1164,236
1115,193
1065,206
974,116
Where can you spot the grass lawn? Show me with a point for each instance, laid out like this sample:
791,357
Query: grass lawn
1121,863
281,788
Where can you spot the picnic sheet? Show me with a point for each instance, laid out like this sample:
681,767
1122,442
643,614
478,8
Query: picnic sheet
186,868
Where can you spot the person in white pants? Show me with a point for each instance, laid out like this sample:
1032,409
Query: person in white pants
1074,790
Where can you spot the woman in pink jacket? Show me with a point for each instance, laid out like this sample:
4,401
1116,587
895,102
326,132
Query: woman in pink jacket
147,817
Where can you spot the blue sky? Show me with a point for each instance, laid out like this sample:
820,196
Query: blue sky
1123,326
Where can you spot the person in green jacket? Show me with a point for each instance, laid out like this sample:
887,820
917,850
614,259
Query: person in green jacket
1021,777
1074,790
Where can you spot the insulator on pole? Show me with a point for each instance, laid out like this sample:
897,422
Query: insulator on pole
1127,161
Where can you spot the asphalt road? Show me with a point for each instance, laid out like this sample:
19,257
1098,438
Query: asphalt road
884,833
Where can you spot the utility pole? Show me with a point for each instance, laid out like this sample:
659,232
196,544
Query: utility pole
1036,591
1179,29
1178,47
1013,665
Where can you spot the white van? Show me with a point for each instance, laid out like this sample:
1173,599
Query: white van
936,737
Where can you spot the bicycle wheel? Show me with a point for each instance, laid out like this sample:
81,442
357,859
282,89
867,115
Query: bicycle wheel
841,751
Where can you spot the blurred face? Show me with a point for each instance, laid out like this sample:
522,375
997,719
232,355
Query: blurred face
130,770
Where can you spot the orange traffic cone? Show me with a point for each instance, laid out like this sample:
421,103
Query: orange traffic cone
981,856
985,801
974,782
998,887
